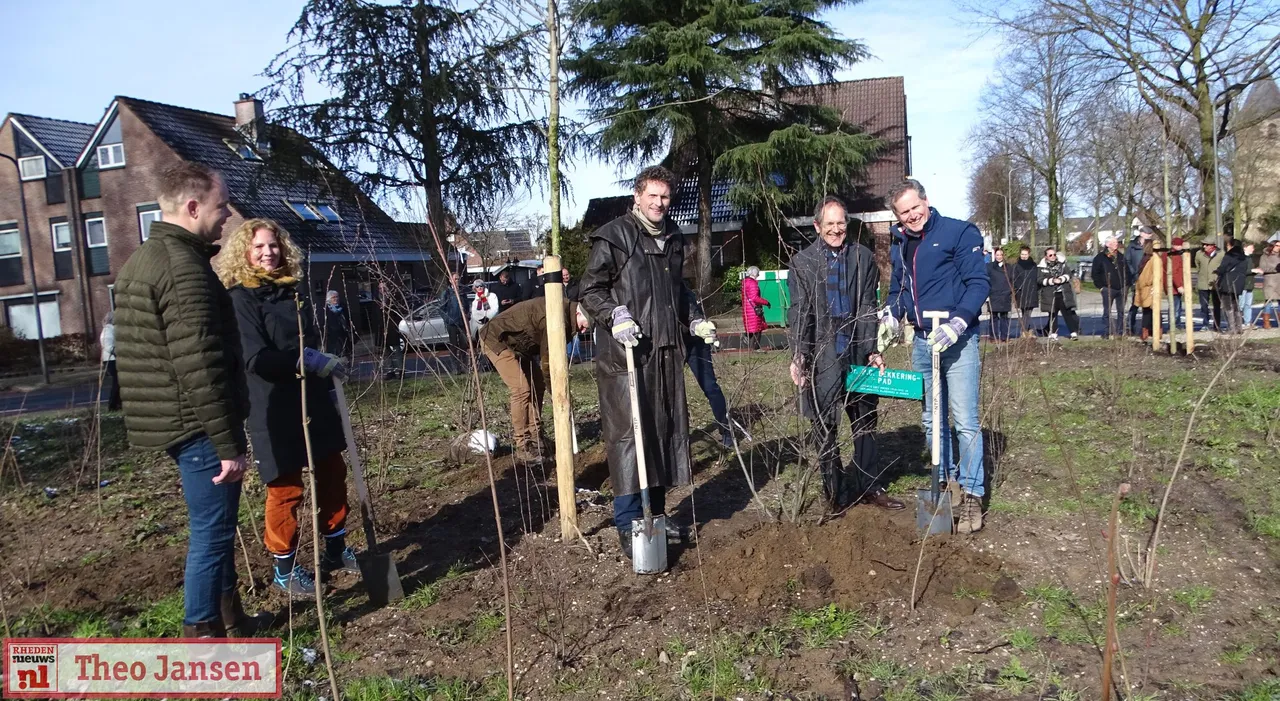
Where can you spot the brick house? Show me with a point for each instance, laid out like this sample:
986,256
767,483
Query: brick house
82,229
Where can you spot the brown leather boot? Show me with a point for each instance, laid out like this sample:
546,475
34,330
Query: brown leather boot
1266,321
204,629
1146,335
237,623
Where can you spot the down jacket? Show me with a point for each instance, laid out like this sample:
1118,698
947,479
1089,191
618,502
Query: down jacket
753,306
177,346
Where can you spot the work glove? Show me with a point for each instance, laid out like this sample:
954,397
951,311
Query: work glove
625,330
946,335
703,329
884,337
323,364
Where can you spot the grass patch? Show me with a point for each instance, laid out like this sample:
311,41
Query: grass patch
161,619
1195,598
820,627
1022,639
1014,678
387,689
1238,654
1265,690
723,668
426,596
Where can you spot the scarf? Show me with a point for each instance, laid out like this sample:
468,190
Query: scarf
649,227
259,277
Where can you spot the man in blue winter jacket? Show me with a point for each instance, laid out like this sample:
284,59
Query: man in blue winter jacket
938,266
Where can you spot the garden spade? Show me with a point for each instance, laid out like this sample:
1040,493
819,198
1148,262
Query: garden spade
648,534
933,506
377,569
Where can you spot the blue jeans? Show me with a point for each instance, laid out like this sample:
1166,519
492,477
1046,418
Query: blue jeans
961,371
212,513
629,507
1177,312
1246,307
698,356
574,348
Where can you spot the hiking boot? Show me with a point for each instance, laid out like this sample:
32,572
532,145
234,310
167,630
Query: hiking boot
726,440
204,629
970,515
528,457
298,583
624,539
345,561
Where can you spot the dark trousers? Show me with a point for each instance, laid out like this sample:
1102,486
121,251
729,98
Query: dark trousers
753,340
1207,296
1133,311
630,507
999,326
1068,315
1148,319
843,485
111,381
212,513
1025,316
698,357
1112,298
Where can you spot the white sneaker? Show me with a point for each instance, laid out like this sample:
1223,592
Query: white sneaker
1053,337
1075,335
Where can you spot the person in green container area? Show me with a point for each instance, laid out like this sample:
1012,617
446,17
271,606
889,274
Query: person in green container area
831,326
753,323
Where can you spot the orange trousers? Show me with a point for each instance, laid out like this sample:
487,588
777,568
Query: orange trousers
284,496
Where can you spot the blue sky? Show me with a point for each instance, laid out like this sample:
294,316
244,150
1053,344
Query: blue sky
66,59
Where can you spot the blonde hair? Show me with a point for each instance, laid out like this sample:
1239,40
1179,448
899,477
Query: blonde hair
233,266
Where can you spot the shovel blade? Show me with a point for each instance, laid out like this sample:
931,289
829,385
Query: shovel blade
381,579
933,517
649,545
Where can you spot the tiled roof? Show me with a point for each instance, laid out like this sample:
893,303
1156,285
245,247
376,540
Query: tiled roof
602,210
684,210
64,139
1263,101
879,106
261,188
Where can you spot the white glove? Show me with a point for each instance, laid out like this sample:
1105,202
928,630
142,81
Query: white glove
703,329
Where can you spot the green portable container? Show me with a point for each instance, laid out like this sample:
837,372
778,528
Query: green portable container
773,287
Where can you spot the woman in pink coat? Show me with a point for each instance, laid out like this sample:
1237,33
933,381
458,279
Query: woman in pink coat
753,308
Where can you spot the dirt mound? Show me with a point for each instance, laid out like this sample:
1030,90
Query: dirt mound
867,555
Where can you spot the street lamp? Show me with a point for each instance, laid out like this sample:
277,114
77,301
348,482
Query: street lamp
31,265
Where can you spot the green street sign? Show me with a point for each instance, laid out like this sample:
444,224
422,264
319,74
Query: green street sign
899,384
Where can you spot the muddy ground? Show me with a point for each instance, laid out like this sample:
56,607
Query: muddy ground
758,604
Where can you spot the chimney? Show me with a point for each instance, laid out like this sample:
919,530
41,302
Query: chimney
249,117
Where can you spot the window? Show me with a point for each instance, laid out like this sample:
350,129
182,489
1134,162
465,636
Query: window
110,156
147,215
61,236
10,242
302,210
32,168
242,150
326,211
95,233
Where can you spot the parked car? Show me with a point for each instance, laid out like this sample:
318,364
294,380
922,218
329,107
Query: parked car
425,325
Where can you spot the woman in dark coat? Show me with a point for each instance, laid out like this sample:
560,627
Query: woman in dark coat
1057,295
1026,287
1001,297
260,266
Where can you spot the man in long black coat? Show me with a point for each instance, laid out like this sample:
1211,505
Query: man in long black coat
832,325
634,287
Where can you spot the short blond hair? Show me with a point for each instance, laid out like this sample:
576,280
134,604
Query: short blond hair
233,266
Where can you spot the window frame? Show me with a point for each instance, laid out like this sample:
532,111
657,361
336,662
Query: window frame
5,231
143,229
87,242
296,205
44,168
243,150
113,164
316,208
53,234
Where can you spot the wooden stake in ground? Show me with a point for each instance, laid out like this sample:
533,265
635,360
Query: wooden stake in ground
1157,286
1187,289
557,340
1113,583
315,508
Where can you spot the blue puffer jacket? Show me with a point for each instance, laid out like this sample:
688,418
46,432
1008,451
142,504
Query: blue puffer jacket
949,272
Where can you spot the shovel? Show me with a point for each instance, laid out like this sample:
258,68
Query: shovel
933,507
377,569
648,534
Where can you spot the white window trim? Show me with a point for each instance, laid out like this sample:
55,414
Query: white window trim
305,205
108,147
87,242
16,232
142,228
53,233
44,172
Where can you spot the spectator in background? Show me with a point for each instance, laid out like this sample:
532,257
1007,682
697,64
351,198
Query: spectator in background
1001,297
1144,290
107,340
1207,262
392,341
507,293
483,308
1026,287
1133,258
1269,269
570,288
1110,272
1175,261
337,326
455,322
1231,278
1057,295
753,323
532,286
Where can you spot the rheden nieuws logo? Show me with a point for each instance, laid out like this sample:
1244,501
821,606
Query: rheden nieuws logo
142,668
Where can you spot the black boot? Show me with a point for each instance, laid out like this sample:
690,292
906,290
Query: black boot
204,629
237,623
624,539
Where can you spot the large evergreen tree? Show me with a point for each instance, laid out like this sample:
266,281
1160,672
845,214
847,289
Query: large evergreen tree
414,94
699,77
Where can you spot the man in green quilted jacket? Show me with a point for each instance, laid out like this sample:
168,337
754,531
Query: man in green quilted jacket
182,384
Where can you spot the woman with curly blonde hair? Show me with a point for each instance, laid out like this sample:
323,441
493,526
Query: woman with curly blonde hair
261,268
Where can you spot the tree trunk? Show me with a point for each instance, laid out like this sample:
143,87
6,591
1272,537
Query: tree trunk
431,141
1207,119
706,162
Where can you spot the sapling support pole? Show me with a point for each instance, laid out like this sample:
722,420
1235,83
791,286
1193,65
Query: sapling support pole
1157,284
561,411
1186,301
